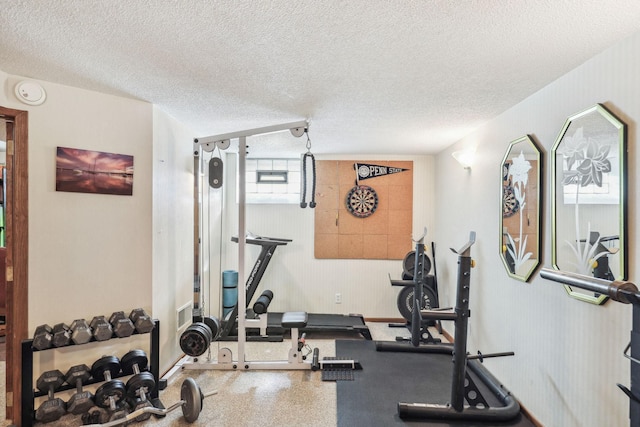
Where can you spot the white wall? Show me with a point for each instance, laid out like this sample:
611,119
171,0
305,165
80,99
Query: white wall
172,229
89,254
298,280
568,353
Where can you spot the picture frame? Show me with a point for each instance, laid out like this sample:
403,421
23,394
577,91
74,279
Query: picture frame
98,172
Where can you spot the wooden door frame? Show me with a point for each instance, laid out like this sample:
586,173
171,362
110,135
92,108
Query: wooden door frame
17,242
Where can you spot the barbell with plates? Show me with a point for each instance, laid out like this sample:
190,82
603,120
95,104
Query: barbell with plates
191,401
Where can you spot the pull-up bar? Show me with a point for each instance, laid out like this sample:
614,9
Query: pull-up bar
621,291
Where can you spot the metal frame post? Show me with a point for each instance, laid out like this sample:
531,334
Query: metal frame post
460,336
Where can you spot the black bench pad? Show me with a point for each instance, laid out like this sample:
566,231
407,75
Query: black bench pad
294,319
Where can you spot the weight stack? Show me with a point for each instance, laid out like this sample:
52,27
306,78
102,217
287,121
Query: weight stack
229,291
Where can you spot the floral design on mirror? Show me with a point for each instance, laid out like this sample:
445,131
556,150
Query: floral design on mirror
588,201
521,208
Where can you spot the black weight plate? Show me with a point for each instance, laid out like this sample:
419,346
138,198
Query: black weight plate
192,396
104,364
214,324
409,264
195,340
113,388
132,358
138,381
405,300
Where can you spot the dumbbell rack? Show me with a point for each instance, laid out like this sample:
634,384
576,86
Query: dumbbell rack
29,394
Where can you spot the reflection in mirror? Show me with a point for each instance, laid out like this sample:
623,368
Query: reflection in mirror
521,208
588,233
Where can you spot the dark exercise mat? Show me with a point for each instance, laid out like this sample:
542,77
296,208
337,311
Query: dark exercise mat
387,378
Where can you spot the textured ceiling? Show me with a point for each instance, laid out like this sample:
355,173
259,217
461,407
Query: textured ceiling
373,76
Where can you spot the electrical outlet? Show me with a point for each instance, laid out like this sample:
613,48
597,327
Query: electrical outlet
338,298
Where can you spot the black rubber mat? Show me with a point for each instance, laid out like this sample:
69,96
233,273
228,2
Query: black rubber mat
387,378
337,375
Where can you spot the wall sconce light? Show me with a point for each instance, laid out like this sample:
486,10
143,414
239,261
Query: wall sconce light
465,157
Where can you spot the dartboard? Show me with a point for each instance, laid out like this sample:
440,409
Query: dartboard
362,201
509,203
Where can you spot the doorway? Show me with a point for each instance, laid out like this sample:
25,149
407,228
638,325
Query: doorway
14,124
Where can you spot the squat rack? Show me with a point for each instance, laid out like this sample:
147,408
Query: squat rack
462,386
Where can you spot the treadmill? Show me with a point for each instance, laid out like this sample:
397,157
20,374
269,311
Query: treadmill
344,323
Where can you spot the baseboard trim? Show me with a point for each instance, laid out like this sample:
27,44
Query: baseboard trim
385,319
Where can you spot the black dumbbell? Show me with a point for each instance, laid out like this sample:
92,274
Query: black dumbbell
53,408
43,337
81,401
61,335
81,331
102,330
122,325
110,395
141,384
142,321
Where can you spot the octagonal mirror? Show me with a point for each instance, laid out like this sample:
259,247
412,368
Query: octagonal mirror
521,208
588,200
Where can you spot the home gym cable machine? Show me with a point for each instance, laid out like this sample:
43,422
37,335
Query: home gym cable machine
625,293
204,330
196,340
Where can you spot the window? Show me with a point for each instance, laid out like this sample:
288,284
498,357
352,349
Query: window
272,177
274,181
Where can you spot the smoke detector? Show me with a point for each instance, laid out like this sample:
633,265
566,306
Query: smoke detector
30,92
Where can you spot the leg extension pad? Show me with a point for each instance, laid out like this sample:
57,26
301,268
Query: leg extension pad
294,319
